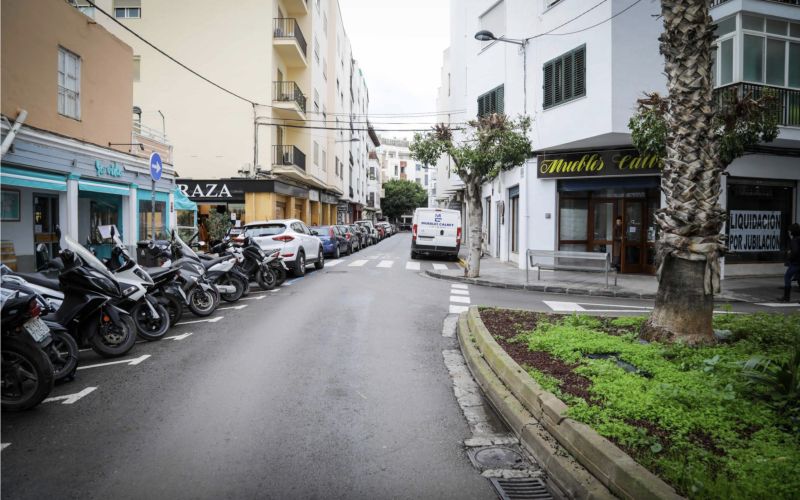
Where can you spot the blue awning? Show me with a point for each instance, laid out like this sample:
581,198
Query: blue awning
182,202
11,176
102,187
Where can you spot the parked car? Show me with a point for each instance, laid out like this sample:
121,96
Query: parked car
387,228
334,243
436,231
352,242
373,232
363,236
297,245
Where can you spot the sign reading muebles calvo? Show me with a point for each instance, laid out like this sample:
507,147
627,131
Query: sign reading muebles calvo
621,162
754,231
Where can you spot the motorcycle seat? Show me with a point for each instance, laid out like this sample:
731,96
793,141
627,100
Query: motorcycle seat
208,264
38,279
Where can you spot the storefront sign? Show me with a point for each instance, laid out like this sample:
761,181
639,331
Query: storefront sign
233,190
597,164
207,190
113,169
754,231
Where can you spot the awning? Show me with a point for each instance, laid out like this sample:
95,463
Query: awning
182,202
10,176
102,187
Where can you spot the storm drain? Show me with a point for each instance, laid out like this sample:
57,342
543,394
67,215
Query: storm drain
497,457
521,489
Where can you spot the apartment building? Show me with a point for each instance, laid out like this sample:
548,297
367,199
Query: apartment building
580,85
396,162
74,158
270,150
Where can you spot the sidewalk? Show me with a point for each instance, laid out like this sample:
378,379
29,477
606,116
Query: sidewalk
499,274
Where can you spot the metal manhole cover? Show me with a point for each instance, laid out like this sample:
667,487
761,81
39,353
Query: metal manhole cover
521,489
497,457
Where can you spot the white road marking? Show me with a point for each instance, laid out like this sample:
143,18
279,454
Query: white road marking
456,291
3,446
563,306
332,263
440,267
412,266
132,362
180,337
363,396
778,304
385,263
253,298
459,299
210,320
357,263
274,290
292,282
69,399
458,309
460,286
449,326
233,307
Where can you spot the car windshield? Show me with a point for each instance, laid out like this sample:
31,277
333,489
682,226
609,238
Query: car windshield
264,230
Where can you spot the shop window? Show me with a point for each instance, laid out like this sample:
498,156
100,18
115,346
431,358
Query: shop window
147,223
759,215
564,78
572,223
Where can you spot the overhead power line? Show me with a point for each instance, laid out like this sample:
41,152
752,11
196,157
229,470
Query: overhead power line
550,32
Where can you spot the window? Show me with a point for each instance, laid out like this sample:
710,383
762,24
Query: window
137,62
324,161
767,59
753,63
564,78
336,165
127,9
316,101
316,153
491,102
494,20
316,49
69,84
726,61
550,3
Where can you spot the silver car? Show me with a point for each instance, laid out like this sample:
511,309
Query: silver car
298,246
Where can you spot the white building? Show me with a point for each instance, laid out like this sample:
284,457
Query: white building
579,84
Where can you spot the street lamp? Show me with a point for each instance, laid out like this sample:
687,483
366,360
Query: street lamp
488,36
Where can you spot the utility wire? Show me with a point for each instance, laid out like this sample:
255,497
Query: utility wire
568,21
550,33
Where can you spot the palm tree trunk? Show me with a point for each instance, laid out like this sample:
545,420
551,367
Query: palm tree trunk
690,243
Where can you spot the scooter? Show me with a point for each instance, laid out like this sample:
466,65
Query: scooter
202,296
223,272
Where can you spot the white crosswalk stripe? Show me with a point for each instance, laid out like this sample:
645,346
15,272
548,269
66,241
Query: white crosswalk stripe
440,267
460,286
357,263
458,309
412,266
778,304
385,263
456,291
332,263
459,298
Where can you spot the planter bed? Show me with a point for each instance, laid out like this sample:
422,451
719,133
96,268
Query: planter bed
686,414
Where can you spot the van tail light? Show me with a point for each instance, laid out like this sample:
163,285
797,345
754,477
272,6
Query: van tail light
414,232
34,309
458,236
284,238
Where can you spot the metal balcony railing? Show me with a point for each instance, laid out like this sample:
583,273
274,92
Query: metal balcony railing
289,156
287,27
288,92
787,101
714,3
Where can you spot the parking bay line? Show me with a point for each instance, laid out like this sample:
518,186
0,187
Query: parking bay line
3,446
235,307
68,399
357,263
210,320
180,337
260,297
132,362
385,263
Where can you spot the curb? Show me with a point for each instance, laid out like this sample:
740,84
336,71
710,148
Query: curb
529,409
593,292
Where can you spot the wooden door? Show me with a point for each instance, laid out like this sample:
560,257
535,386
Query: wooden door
633,236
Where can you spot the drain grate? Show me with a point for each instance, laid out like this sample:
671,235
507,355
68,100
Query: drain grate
497,457
521,489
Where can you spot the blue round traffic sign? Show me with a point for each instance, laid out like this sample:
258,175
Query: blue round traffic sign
156,167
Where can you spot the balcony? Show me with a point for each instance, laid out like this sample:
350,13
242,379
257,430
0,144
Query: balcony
297,7
715,3
787,104
152,140
288,102
288,156
289,42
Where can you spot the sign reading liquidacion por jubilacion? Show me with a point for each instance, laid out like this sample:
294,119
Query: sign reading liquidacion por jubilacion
754,231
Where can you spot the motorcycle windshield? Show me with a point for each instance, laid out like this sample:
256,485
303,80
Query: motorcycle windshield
88,258
186,250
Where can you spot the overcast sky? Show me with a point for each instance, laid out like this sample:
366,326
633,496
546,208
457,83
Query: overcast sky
398,45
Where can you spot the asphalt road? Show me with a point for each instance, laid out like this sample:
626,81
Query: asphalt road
333,386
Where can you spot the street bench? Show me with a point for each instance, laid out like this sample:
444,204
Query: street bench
563,260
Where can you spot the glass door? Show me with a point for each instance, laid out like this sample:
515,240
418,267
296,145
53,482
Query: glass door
45,220
515,225
633,240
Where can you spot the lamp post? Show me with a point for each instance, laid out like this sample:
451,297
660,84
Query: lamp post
486,36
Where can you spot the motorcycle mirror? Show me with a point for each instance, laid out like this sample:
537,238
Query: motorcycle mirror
113,232
58,231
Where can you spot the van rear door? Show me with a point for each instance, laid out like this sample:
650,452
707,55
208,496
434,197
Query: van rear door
438,227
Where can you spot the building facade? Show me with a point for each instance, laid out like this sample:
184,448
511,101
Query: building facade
291,68
77,161
586,188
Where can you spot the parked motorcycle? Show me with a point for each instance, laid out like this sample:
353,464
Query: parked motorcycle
202,296
27,374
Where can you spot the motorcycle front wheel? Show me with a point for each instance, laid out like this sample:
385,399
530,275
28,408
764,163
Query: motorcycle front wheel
202,302
63,354
27,375
266,279
147,327
110,339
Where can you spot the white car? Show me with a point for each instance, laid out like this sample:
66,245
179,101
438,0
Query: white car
437,232
373,233
291,236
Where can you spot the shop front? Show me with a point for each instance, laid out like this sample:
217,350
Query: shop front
606,203
52,183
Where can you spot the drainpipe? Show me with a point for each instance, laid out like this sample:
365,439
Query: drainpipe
13,132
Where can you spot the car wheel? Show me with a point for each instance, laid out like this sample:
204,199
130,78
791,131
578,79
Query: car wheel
300,264
320,263
337,253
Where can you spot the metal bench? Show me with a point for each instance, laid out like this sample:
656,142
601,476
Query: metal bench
562,260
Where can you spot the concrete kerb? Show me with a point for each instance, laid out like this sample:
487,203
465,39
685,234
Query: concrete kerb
607,463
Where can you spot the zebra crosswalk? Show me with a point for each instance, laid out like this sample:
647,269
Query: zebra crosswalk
378,263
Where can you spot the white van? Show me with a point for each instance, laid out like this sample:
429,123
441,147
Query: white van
436,231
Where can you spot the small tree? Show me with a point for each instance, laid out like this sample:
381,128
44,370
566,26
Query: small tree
492,144
402,197
217,225
698,138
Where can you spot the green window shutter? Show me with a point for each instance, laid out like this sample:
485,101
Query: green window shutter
580,72
547,85
481,109
569,76
558,84
500,93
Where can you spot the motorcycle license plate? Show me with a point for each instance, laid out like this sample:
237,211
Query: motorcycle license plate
37,329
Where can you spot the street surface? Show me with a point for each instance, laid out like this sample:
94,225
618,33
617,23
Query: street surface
333,386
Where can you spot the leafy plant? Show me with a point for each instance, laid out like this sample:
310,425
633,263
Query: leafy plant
217,225
778,379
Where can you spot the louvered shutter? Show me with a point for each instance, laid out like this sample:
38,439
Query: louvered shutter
547,86
558,81
500,97
569,76
580,72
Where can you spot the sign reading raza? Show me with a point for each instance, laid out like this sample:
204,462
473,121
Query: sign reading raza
754,231
597,164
